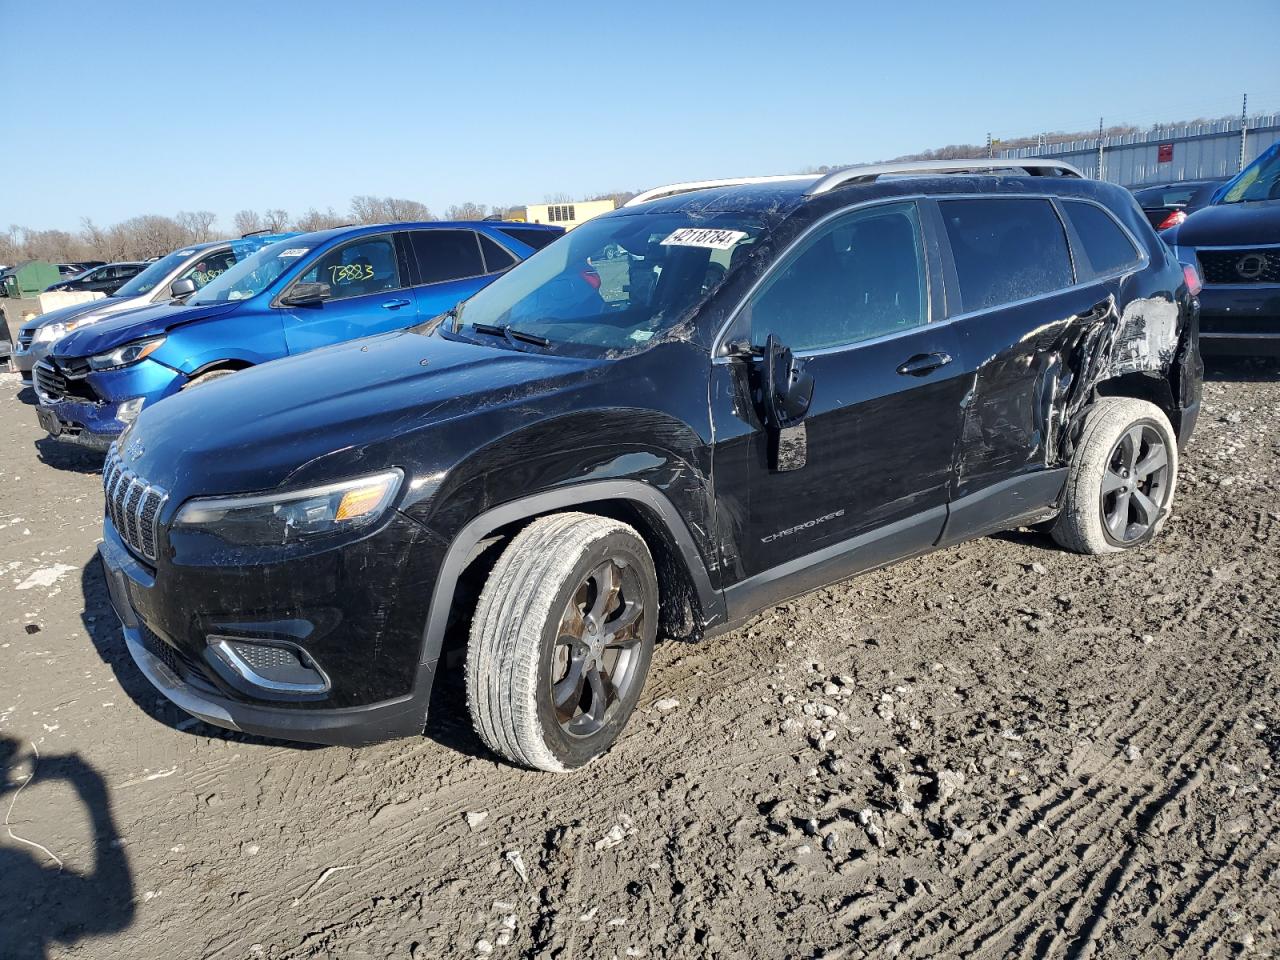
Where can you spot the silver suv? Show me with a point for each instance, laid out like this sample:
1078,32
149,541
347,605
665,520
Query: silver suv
198,262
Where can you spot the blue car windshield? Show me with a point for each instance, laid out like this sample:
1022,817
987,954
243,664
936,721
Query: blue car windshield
250,277
1258,181
614,283
146,281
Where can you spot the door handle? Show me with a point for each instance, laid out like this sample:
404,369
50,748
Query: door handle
923,363
395,304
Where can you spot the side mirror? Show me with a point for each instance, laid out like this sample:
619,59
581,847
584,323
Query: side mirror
182,288
307,295
787,393
788,389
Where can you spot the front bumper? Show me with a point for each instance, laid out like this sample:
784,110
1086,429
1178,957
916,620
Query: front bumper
181,669
90,412
28,358
1240,320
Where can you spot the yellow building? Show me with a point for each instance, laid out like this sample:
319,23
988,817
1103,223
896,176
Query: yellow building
567,215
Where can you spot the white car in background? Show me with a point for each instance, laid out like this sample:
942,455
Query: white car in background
177,275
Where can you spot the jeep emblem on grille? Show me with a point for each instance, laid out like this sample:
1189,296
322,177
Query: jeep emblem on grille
1250,266
134,450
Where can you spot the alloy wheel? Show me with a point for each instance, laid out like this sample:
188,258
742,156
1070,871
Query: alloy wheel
1135,484
593,663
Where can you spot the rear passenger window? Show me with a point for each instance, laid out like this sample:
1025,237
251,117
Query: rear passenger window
533,238
447,255
1006,250
859,278
496,257
1105,244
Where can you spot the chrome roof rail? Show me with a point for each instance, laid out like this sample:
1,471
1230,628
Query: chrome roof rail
869,173
671,189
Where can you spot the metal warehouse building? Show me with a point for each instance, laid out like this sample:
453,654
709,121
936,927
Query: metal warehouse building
1165,154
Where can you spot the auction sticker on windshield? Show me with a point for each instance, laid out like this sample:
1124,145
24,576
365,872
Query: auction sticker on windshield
704,237
294,251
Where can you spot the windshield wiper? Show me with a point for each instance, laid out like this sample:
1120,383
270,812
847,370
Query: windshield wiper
509,333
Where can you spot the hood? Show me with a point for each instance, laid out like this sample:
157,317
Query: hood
73,312
252,430
134,325
1226,224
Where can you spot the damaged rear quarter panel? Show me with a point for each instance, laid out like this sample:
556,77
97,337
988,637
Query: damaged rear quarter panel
1038,366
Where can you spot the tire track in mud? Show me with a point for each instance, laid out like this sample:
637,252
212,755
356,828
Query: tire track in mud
1092,811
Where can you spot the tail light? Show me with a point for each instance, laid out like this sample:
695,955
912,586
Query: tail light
1192,276
1174,218
593,279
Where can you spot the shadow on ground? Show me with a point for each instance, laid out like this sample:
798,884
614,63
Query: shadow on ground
68,456
46,902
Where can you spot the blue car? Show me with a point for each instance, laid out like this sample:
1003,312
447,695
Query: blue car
307,291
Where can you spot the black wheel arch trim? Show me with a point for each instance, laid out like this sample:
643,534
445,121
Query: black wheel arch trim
462,547
227,363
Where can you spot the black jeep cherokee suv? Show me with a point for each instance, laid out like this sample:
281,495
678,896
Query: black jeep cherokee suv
722,395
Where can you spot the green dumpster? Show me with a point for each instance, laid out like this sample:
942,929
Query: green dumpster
29,279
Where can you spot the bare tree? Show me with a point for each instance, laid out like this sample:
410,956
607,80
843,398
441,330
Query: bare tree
369,209
198,224
247,221
467,211
276,221
313,219
558,198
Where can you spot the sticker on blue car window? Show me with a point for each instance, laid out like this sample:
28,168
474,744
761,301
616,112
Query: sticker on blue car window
704,237
294,251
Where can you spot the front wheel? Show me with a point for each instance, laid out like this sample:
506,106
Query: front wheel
561,641
1122,478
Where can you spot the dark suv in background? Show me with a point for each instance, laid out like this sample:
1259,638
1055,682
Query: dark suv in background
683,412
107,278
1235,243
1168,204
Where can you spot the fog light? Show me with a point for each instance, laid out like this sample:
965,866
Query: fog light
128,411
269,665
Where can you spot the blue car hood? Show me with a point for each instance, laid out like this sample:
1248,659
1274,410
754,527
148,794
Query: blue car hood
134,325
1228,224
68,313
254,429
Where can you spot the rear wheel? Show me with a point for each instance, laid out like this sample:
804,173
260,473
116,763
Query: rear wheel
1122,479
561,641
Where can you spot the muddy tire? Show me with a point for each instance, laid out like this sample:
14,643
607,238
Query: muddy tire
1121,484
561,641
204,378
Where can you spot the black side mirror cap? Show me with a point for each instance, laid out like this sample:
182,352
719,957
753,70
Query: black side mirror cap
307,294
788,389
182,288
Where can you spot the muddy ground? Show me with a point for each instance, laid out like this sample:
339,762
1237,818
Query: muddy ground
998,750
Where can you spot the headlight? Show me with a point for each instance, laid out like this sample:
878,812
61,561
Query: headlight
56,331
124,356
275,519
50,332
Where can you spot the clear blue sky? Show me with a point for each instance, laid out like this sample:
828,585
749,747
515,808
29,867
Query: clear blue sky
132,108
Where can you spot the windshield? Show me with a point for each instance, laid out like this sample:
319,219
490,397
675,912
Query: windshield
250,277
614,282
146,281
1258,181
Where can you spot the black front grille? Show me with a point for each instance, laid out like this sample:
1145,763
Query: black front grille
53,383
180,665
161,650
50,382
133,506
1242,265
